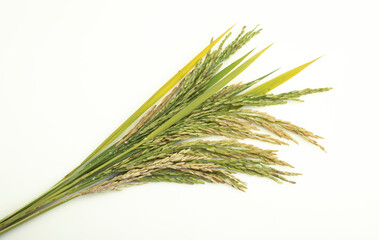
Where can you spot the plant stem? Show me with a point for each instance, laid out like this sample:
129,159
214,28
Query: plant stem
25,216
35,214
48,192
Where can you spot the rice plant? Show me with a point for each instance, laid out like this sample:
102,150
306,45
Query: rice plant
164,140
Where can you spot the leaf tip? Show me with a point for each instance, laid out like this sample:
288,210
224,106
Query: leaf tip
269,46
310,62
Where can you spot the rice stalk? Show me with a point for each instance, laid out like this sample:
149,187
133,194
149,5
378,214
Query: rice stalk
165,143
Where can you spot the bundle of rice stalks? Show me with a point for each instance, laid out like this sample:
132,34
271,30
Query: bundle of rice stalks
162,140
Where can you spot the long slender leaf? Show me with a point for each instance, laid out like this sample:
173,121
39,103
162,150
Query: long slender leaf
275,82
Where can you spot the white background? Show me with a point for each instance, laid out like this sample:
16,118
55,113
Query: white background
72,71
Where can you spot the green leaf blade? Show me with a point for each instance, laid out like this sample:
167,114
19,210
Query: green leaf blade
277,81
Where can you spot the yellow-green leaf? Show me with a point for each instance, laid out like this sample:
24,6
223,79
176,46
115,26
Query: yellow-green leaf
275,82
